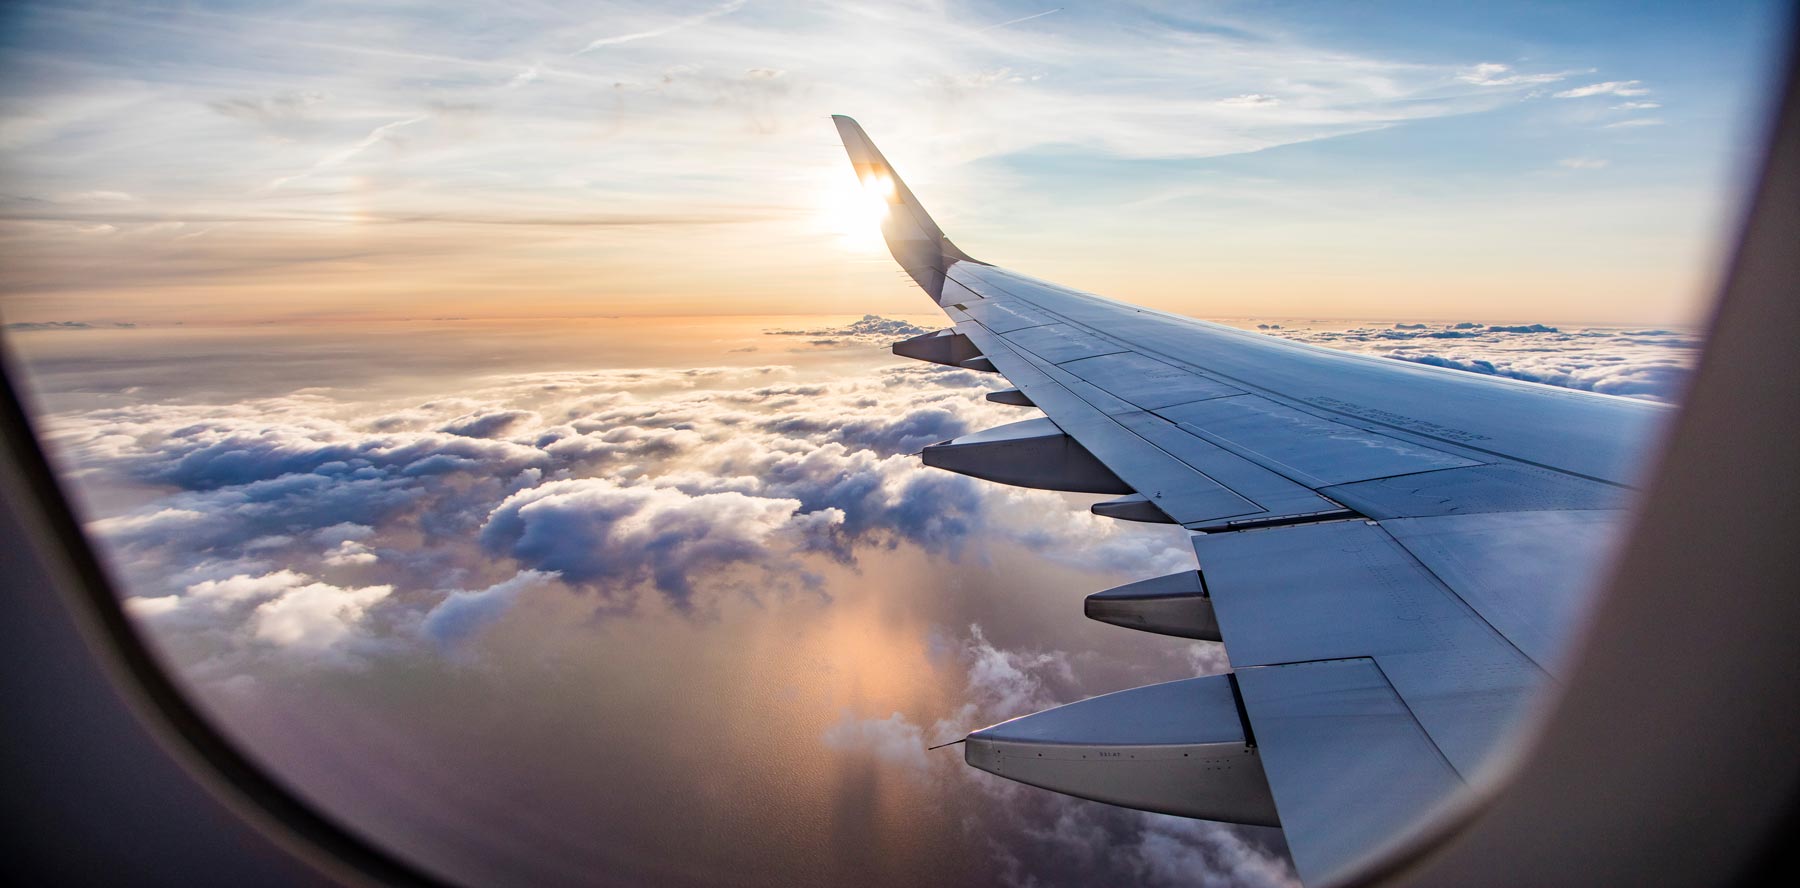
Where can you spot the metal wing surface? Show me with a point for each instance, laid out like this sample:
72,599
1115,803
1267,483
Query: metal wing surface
1394,555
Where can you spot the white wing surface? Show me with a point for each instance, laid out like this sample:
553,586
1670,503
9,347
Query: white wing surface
1394,555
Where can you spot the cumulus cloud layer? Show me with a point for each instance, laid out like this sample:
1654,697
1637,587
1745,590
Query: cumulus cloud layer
308,534
1653,364
304,536
870,330
573,479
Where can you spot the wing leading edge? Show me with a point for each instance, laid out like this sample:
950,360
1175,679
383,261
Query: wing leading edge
1394,555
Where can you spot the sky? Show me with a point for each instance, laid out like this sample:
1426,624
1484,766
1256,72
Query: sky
487,411
255,162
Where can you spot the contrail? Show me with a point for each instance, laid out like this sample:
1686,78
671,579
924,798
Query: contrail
1035,15
690,21
378,134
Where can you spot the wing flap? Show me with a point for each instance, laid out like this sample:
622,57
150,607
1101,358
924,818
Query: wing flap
1348,765
1527,574
1346,589
1502,487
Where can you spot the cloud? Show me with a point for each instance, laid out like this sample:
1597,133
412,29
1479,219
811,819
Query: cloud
1636,106
1021,19
726,8
627,483
593,530
1497,74
315,617
282,613
49,325
343,532
465,612
275,111
275,539
27,326
294,536
348,553
997,683
1584,163
1172,851
376,136
1608,88
98,196
617,483
869,330
1207,658
487,424
893,739
439,147
1649,364
1043,837
1635,122
243,587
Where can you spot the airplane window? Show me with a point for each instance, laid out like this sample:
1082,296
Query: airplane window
490,415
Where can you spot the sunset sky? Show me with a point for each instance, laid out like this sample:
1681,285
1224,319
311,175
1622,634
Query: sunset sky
228,162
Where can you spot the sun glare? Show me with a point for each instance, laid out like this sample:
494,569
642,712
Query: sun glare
853,209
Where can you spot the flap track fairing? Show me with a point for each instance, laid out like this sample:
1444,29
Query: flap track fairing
941,347
1013,397
1174,748
1177,605
1034,453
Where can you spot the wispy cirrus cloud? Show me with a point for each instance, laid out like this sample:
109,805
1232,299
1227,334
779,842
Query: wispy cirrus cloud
100,196
375,137
1251,100
1022,19
1607,88
1498,74
726,8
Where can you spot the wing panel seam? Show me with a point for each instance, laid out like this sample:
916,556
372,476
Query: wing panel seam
1285,398
1049,380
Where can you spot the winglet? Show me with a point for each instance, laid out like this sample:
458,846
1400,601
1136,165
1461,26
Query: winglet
916,241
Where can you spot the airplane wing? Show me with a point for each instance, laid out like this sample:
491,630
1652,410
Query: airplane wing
1394,555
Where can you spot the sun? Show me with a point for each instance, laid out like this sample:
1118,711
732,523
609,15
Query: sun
854,209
